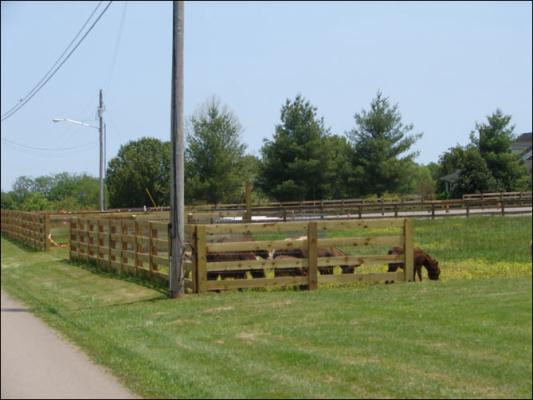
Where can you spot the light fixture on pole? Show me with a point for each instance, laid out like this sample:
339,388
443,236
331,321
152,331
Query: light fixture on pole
101,129
74,122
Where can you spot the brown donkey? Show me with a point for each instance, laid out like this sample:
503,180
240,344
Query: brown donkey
420,258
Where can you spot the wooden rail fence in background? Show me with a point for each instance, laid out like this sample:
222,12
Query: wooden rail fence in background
29,228
411,209
411,206
498,196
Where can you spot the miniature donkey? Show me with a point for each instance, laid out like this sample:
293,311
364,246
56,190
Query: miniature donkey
420,258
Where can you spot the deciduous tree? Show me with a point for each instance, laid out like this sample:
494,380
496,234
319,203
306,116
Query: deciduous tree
139,165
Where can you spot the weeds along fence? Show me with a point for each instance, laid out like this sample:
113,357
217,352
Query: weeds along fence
29,228
226,256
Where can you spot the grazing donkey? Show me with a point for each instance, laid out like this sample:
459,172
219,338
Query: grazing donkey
420,258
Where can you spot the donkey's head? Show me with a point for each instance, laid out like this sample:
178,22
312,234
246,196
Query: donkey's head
432,267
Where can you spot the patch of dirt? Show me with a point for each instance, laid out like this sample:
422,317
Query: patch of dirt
218,309
282,303
249,336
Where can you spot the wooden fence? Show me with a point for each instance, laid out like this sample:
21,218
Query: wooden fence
408,206
29,228
142,248
315,237
402,209
124,245
499,196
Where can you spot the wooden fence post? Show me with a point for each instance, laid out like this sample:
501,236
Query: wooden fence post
432,210
467,210
110,244
200,253
101,242
136,244
151,247
360,211
248,200
312,258
85,226
98,239
79,234
47,231
408,251
503,207
124,245
71,234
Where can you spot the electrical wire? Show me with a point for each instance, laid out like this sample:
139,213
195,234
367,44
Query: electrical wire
58,59
48,155
28,97
48,148
115,52
115,127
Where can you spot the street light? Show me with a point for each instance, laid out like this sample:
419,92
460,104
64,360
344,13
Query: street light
101,128
74,122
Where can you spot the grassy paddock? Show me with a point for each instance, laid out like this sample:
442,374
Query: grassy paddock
479,246
452,338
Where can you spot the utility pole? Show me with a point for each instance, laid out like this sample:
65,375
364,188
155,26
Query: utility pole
101,130
177,206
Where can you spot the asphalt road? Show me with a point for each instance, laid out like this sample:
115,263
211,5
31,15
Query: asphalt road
37,363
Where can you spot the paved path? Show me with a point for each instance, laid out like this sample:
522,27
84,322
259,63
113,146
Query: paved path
38,363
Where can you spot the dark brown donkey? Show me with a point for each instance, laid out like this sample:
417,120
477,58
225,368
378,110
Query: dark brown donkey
236,256
302,253
420,258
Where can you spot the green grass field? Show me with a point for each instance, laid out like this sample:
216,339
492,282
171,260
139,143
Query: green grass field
454,338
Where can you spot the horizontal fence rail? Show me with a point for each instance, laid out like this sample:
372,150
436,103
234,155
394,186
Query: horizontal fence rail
30,228
127,246
314,262
408,206
411,209
237,256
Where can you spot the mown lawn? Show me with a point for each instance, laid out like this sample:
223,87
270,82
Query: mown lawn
452,338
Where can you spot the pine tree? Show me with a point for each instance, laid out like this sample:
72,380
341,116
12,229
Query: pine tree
296,164
214,155
380,143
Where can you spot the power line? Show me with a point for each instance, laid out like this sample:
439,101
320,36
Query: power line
114,60
50,155
28,97
48,148
115,126
58,59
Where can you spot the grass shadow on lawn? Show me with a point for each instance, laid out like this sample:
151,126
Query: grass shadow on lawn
21,245
138,280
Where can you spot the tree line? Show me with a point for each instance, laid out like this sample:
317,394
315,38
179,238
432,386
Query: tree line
302,161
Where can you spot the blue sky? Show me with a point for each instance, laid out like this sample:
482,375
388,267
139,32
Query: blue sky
447,64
